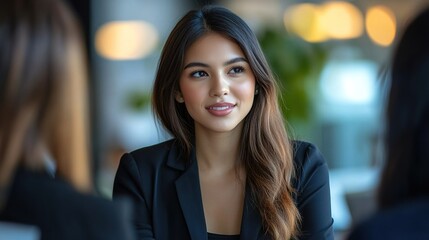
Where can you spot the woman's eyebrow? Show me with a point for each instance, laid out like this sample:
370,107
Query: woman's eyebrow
195,64
229,62
235,60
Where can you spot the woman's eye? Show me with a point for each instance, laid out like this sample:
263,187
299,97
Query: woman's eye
236,70
199,74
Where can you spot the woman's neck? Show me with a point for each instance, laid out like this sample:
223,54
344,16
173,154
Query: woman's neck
217,151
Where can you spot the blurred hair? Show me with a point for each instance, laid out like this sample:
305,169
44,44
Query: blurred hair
406,172
43,98
265,150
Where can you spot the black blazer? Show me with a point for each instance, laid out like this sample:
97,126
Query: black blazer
60,212
168,197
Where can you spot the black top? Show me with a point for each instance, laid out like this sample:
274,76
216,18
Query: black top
60,212
166,189
406,221
214,236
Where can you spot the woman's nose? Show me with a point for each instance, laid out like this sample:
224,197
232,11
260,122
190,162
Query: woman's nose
220,86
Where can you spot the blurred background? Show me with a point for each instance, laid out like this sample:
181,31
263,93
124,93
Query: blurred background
330,57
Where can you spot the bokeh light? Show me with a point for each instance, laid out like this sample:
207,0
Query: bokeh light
380,25
341,20
331,20
304,20
126,40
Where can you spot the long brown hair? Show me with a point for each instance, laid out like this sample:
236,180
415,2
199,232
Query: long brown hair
43,97
265,150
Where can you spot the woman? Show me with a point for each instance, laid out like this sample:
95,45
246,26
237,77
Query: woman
230,171
403,194
44,167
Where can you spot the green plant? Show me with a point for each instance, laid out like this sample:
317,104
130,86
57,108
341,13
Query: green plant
297,65
138,100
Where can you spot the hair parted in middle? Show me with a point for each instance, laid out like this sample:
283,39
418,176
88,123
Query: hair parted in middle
265,148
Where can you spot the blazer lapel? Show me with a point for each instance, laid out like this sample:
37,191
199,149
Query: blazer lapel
189,194
251,223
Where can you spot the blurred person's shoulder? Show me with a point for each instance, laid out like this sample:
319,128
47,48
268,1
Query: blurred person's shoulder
61,212
405,221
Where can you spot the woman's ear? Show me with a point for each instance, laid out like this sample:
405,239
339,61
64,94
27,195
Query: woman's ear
179,97
257,90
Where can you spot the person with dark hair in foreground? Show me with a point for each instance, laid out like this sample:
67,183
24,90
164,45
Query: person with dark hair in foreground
403,194
230,171
45,178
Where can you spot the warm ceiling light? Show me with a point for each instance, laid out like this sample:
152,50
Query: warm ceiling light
380,25
341,20
126,40
304,20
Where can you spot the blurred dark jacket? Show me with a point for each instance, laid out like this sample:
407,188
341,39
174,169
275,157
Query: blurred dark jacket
60,212
405,221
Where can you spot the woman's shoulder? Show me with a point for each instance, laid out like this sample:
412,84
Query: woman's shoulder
312,191
310,165
153,155
155,149
306,154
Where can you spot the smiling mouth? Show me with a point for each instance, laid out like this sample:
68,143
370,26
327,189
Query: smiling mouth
221,109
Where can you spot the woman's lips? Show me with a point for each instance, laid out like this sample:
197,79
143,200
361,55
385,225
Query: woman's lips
220,109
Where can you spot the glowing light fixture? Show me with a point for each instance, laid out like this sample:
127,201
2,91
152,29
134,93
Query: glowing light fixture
126,40
380,25
332,20
341,20
304,20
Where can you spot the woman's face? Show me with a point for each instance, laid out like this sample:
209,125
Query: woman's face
216,85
